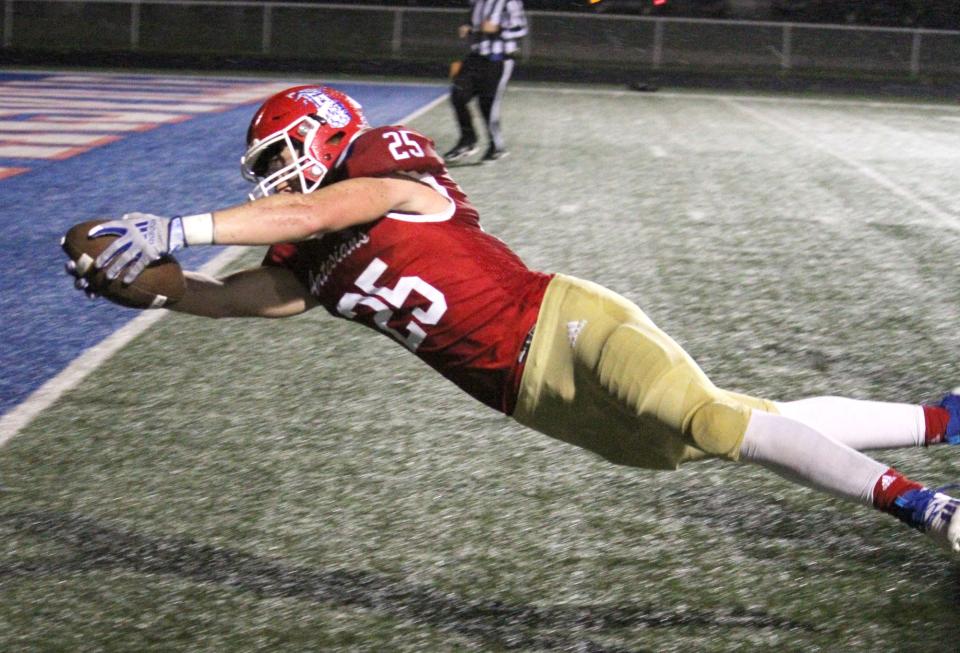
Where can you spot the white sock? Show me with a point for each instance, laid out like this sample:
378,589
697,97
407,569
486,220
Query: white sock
801,454
860,424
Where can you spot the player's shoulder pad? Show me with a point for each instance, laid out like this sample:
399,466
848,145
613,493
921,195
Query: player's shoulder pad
393,148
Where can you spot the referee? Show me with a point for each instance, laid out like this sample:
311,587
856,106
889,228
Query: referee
494,29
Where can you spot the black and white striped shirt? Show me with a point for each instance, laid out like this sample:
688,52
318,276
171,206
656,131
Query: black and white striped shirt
513,26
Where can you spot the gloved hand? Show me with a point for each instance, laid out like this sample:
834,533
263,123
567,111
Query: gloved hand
141,239
79,282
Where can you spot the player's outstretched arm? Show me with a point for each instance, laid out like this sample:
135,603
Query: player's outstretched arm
286,217
257,292
290,217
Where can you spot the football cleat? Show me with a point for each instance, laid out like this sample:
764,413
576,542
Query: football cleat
932,512
461,150
494,154
952,404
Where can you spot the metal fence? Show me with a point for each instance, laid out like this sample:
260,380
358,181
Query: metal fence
324,32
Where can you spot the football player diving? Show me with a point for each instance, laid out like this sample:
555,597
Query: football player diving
367,223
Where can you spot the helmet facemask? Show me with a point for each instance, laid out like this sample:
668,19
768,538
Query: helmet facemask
304,173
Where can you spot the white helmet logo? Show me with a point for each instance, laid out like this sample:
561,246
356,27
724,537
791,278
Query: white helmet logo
328,108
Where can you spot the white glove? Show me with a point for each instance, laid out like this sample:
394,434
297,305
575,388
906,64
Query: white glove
79,282
141,239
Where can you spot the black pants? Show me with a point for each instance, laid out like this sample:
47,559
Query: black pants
486,80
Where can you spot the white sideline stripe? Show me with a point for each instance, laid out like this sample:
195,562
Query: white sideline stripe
45,396
945,219
422,110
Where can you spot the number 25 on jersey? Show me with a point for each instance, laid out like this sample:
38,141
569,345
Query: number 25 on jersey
402,145
387,304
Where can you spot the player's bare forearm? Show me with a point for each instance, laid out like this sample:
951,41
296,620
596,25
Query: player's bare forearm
292,217
257,292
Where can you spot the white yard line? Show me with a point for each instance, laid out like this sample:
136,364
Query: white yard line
796,132
422,110
43,397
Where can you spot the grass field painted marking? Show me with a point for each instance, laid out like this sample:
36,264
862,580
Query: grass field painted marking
59,138
28,138
210,96
44,396
778,99
58,107
422,110
58,126
786,126
10,172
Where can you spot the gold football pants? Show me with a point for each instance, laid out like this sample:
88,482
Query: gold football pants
602,376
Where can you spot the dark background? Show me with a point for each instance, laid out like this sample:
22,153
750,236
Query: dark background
934,14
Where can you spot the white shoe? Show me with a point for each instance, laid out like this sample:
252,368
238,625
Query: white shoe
953,532
934,513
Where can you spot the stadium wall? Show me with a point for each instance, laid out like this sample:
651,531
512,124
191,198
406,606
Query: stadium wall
421,41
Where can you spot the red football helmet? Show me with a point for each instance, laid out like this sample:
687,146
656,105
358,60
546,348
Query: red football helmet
316,123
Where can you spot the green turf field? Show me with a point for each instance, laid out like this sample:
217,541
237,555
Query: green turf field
307,485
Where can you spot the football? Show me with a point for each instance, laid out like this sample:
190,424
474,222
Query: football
161,284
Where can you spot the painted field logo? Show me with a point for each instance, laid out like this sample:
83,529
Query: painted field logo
52,117
328,108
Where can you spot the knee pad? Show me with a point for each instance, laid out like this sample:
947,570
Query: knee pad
717,428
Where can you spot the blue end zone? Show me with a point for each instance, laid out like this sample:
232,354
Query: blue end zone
180,168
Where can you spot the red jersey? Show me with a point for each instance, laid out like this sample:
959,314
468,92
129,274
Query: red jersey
454,295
